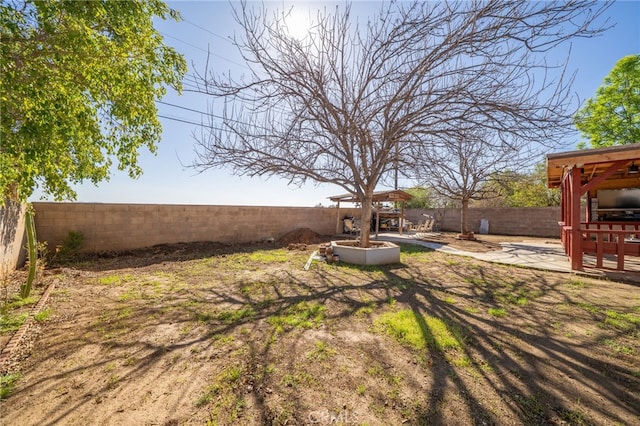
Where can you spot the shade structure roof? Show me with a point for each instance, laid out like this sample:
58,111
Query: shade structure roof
595,162
381,196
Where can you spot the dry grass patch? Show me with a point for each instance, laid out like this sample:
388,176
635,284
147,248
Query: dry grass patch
245,335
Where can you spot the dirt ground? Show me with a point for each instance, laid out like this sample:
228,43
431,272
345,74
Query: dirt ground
207,333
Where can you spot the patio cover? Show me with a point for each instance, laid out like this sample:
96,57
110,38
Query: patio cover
607,168
395,195
584,172
378,197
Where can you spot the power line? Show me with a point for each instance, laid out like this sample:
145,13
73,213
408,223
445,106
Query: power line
181,120
209,114
185,42
184,108
209,31
207,51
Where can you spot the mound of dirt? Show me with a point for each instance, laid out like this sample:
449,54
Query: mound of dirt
300,236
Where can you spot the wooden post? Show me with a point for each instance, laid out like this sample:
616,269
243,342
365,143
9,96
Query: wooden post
377,219
576,233
620,256
338,230
599,249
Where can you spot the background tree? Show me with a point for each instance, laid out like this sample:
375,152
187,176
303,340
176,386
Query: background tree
459,168
509,188
349,101
79,81
422,198
531,190
612,116
498,188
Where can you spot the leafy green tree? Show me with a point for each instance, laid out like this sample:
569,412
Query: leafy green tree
421,198
531,190
512,189
78,89
612,117
497,189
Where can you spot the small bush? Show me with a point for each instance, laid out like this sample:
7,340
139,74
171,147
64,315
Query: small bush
10,323
70,247
42,315
7,383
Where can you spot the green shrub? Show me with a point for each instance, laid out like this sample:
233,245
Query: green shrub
10,323
71,246
7,383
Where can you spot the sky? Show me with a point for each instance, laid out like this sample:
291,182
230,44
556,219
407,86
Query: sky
207,26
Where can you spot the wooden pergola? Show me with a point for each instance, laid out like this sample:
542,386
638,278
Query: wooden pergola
584,173
378,197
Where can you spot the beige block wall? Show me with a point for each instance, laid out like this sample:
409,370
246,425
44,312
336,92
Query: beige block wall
12,237
127,226
529,221
109,227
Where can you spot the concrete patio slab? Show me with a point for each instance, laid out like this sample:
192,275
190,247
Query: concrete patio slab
547,256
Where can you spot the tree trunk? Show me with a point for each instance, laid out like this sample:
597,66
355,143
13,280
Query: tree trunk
365,220
463,217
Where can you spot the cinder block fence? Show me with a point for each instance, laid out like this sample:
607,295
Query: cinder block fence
127,226
108,227
529,221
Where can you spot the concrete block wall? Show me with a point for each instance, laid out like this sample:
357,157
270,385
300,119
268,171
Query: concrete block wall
109,227
12,236
528,221
128,226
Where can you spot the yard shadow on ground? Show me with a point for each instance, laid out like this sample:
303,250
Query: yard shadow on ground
277,345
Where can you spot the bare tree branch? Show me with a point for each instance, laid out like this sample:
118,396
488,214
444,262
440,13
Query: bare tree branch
353,100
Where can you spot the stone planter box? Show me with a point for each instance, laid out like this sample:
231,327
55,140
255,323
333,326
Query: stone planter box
380,252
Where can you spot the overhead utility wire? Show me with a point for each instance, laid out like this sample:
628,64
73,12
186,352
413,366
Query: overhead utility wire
182,120
199,112
185,42
195,110
208,52
210,114
185,108
209,31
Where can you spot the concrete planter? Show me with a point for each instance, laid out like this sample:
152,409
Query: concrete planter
380,252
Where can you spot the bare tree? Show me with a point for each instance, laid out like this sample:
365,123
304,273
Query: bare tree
458,168
351,100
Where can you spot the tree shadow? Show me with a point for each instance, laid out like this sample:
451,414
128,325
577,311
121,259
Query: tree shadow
520,358
520,369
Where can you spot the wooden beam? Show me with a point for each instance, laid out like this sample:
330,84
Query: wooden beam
593,183
594,156
560,163
630,182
